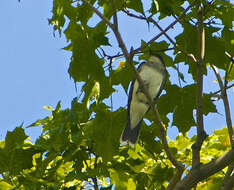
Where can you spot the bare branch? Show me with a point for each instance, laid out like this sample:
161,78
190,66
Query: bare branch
226,105
150,19
200,173
232,85
201,134
117,34
164,31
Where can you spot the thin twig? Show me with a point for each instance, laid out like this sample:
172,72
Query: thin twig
164,31
232,85
150,19
118,55
226,105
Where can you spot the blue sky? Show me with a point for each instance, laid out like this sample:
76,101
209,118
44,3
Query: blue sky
34,68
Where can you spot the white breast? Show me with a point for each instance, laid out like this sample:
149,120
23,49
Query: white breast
153,78
138,108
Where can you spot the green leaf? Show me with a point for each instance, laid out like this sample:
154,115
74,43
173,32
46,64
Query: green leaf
5,186
58,19
122,75
48,108
156,48
131,184
188,40
15,156
98,35
121,180
181,58
182,102
148,135
40,122
168,8
223,10
20,159
215,56
105,131
15,139
162,173
135,5
108,7
85,64
95,93
84,12
78,113
208,105
154,7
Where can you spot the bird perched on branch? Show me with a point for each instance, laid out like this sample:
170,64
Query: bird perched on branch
153,74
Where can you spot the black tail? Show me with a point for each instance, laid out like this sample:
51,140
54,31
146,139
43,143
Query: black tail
130,136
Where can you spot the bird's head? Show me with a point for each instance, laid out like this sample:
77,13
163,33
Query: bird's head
156,62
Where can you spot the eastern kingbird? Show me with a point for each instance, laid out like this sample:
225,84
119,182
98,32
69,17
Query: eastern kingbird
154,75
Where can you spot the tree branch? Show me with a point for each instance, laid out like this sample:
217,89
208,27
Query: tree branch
201,134
164,31
113,27
232,85
150,19
200,173
226,105
228,177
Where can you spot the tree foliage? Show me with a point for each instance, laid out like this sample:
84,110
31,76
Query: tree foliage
79,146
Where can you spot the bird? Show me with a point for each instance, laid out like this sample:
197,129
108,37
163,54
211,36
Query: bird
154,75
